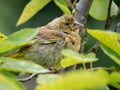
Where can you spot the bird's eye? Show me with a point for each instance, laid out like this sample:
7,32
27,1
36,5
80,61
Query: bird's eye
67,23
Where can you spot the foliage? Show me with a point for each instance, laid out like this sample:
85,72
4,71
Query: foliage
72,58
81,79
11,42
99,9
63,6
2,37
20,66
109,43
9,82
76,80
31,9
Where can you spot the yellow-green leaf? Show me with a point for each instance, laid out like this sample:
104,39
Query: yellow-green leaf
46,78
77,80
99,9
2,37
31,9
16,65
111,42
7,46
115,57
108,38
18,39
63,6
115,79
23,36
72,58
9,83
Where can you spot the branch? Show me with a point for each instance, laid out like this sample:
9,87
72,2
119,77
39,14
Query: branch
108,21
117,27
107,27
118,24
70,4
82,10
32,76
74,2
28,78
95,48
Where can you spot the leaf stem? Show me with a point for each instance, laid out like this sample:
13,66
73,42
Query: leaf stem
84,66
91,65
82,10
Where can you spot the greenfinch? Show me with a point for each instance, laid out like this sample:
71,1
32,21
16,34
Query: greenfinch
45,48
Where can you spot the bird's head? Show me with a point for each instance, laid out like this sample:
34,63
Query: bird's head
66,23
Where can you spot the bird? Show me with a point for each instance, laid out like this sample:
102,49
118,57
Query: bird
45,48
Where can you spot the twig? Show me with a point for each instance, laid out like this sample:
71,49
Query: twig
85,41
82,10
108,21
96,47
74,2
117,27
31,76
28,78
118,24
70,4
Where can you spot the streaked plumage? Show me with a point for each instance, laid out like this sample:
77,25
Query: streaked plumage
45,49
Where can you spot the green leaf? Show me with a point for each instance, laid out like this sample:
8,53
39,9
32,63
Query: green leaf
8,82
72,58
63,6
31,9
115,79
2,37
23,36
15,65
115,57
46,78
99,9
18,39
7,46
63,2
111,43
77,80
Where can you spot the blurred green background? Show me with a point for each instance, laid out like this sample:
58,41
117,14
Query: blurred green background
10,12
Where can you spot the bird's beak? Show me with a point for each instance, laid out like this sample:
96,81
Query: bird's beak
78,25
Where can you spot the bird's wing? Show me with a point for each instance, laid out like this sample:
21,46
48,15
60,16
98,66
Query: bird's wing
48,36
45,36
